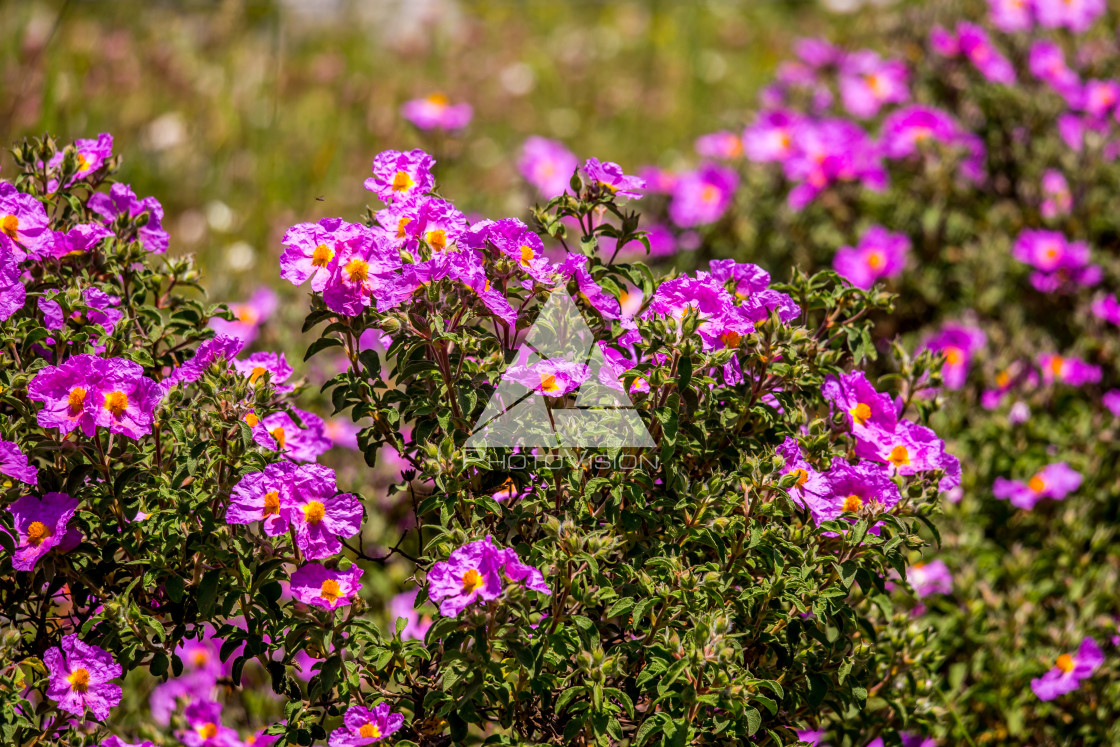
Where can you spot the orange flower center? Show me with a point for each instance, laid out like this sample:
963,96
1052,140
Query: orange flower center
256,373
10,225
861,413
314,512
876,259
322,256
1037,484
279,435
548,384
116,403
252,419
731,338
357,270
200,657
954,356
369,731
1065,663
899,456
1003,379
271,504
437,239
1056,364
330,590
472,580
208,730
246,314
853,503
438,99
802,477
83,164
709,193
402,182
37,532
527,256
76,401
79,680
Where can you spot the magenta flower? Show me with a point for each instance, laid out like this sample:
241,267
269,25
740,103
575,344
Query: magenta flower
958,343
202,668
910,449
218,349
40,524
1111,401
314,583
70,393
1054,481
575,266
880,254
812,487
91,155
435,112
1107,308
342,432
264,496
930,578
126,399
114,741
12,293
319,513
1067,370
1097,98
311,249
1061,264
725,145
1047,62
1011,15
771,137
78,240
608,175
817,53
258,365
944,42
204,727
279,432
702,196
362,726
978,48
905,130
248,316
80,678
14,464
856,488
401,176
867,82
439,224
552,377
1075,15
1057,200
121,200
404,605
474,572
364,260
24,226
547,165
1068,671
830,151
864,407
517,242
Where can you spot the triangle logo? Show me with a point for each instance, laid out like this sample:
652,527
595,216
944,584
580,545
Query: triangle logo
530,407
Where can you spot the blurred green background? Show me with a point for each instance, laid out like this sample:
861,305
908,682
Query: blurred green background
245,117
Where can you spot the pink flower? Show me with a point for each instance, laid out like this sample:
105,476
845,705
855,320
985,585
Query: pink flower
547,165
364,726
880,254
725,145
24,227
311,250
978,48
279,432
1107,308
867,82
314,583
1067,370
80,678
1068,671
435,112
958,343
248,316
701,197
609,176
1047,62
474,572
91,156
1075,15
264,496
930,578
121,200
1061,265
403,605
319,513
87,391
14,464
1054,481
272,367
41,524
1011,15
771,137
1057,200
401,176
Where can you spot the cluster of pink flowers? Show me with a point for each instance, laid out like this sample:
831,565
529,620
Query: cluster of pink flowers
477,572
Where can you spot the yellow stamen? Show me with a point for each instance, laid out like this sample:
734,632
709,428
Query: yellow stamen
861,413
401,225
208,730
76,401
1065,663
357,270
709,193
256,373
252,419
899,456
472,580
1056,364
1037,484
314,512
527,256
548,384
37,533
369,731
322,256
116,403
402,182
853,503
271,504
330,591
281,438
954,356
438,99
79,680
10,225
200,657
437,239
731,338
83,164
876,259
802,477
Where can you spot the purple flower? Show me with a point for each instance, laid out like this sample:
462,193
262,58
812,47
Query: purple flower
362,726
944,42
218,349
812,736
202,668
547,165
320,513
958,343
978,48
404,605
264,496
817,53
314,583
1097,98
1054,481
1011,15
1067,370
910,449
1111,400
273,365
14,464
575,266
1075,15
519,243
1061,264
24,226
771,137
930,578
87,391
864,406
248,316
906,129
854,489
435,112
1068,671
812,487
829,151
1047,62
867,82
474,572
127,399
122,200
1071,128
205,729
80,678
114,741
78,240
702,196
12,293
91,155
40,524
279,432
609,176
880,254
401,176
1057,200
364,260
725,145
552,377
311,249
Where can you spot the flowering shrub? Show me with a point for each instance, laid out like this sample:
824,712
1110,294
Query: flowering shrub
971,168
169,534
